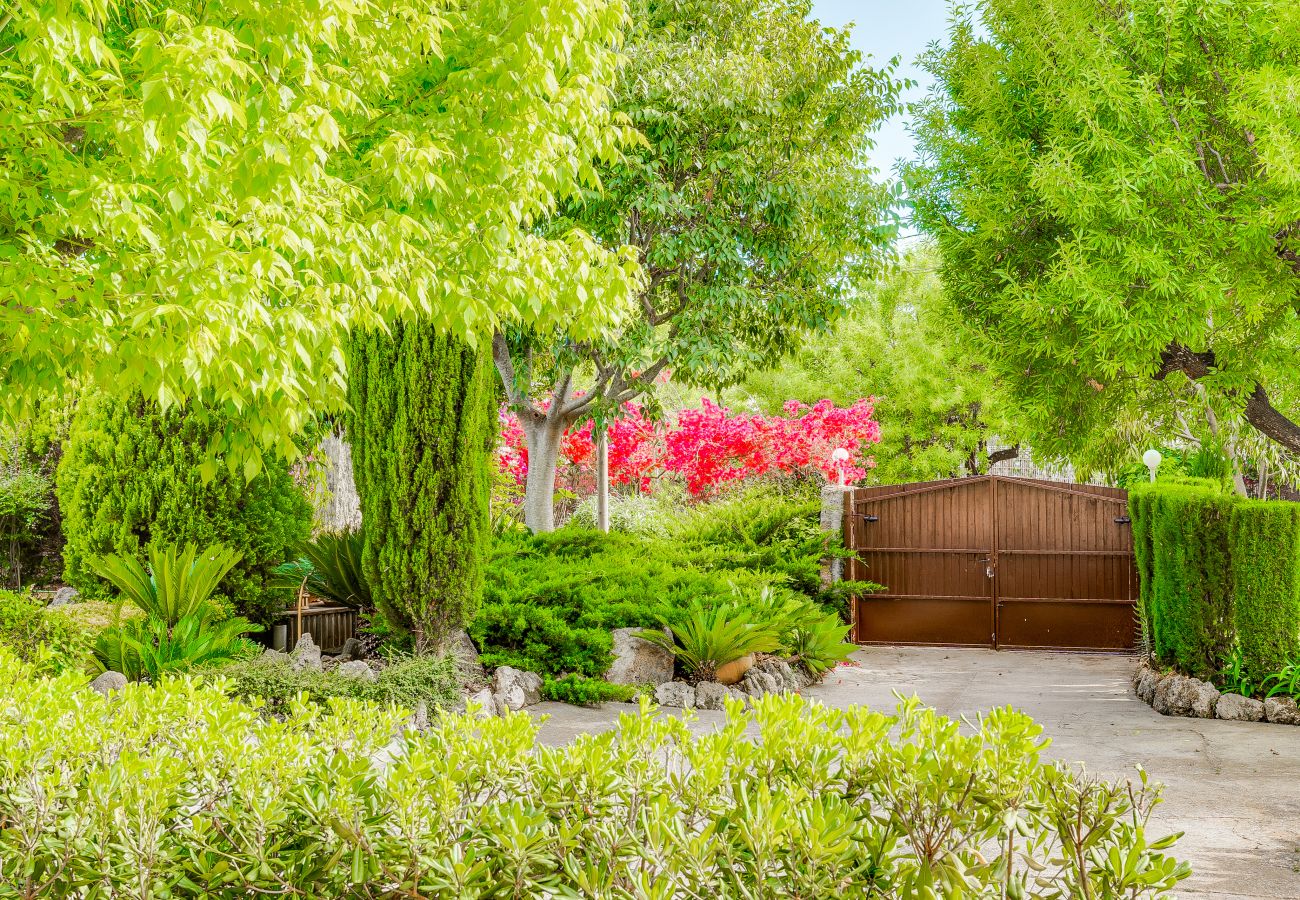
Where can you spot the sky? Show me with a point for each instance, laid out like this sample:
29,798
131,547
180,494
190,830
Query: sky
887,28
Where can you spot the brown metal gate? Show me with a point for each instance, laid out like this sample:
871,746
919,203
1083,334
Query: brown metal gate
993,562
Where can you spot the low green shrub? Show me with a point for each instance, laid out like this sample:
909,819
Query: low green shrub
176,790
708,637
146,649
406,681
1265,554
39,635
583,691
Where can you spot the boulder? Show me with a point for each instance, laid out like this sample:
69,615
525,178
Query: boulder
484,700
1146,682
356,668
516,689
710,695
781,673
64,596
352,649
736,693
1239,709
756,683
1206,699
463,652
1282,710
638,661
675,693
1174,696
274,656
108,683
305,655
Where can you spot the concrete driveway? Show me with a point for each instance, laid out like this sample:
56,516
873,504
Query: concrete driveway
1233,787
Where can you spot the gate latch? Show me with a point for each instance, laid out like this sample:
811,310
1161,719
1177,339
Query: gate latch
870,518
1122,520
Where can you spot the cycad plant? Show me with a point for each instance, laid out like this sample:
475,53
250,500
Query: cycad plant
145,649
819,646
330,568
708,638
178,584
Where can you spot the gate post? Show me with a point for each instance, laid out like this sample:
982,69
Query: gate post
832,522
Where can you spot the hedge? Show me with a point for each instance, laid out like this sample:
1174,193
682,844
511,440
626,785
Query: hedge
1265,549
1219,575
177,791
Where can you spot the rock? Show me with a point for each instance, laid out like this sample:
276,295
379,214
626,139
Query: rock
1239,709
1282,710
274,656
1146,682
352,649
781,673
462,650
356,668
305,655
484,700
710,695
1174,696
1206,699
516,689
638,661
64,596
108,683
736,693
675,693
756,683
499,706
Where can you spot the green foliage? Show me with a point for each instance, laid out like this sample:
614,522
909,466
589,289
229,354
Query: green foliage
644,515
179,583
147,649
580,690
1074,157
1285,683
29,517
52,642
1220,581
133,478
331,567
936,400
203,199
26,498
705,638
820,645
791,799
1265,553
423,432
403,680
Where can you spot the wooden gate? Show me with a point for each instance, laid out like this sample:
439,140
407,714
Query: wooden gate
993,562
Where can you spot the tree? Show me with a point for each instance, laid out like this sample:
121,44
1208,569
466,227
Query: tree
201,199
1115,191
132,478
936,400
750,205
423,431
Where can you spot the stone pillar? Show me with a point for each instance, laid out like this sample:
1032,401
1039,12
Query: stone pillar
832,521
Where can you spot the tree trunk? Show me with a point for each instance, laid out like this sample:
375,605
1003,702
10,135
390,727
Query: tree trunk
543,440
602,482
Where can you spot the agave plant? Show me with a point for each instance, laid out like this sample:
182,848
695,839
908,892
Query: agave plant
710,637
145,649
179,582
330,568
819,645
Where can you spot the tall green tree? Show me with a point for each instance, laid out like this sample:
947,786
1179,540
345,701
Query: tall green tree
1115,191
750,204
938,405
201,199
423,429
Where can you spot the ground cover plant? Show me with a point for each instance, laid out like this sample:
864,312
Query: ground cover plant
277,685
206,797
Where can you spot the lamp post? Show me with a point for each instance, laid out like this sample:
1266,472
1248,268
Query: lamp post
840,457
1151,459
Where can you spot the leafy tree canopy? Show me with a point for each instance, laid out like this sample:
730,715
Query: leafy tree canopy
937,403
200,199
1115,189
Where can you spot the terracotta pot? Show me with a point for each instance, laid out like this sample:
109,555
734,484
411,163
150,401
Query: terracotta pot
735,670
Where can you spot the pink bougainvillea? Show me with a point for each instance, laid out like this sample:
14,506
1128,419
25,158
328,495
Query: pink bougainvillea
711,446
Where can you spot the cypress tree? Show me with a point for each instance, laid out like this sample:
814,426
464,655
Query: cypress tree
422,428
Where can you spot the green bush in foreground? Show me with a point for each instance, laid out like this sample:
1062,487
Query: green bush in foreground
42,636
179,791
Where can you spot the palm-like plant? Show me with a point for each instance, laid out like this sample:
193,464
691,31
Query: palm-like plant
148,648
178,584
819,645
330,568
710,637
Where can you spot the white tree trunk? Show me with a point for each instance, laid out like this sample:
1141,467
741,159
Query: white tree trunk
539,490
342,510
602,482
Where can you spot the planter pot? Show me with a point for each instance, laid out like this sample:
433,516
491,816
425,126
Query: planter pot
734,671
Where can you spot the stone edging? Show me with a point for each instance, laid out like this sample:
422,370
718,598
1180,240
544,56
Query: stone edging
768,676
1171,694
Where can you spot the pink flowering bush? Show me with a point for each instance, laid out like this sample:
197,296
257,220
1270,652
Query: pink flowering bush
711,446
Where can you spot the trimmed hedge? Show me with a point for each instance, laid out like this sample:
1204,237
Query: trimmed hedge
1219,574
1265,548
177,791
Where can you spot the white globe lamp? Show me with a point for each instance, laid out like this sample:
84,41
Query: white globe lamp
840,457
1151,459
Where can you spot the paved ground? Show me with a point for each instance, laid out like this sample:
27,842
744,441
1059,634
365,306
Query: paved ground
1233,787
